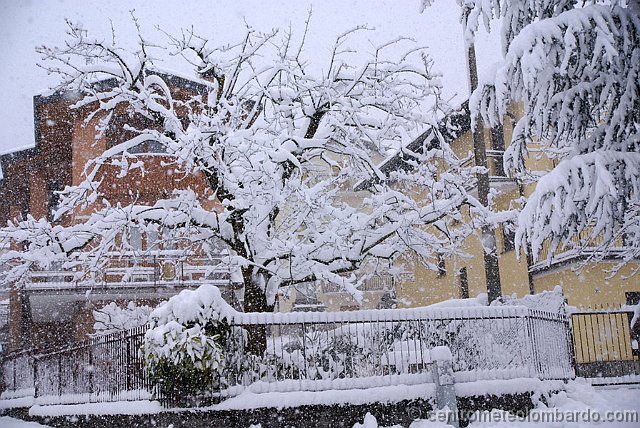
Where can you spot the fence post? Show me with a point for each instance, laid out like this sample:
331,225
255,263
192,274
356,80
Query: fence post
91,369
59,374
126,337
568,325
532,327
35,376
445,383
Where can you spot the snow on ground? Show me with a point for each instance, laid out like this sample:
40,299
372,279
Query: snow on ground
579,406
7,422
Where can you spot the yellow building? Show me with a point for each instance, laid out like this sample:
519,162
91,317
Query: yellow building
585,283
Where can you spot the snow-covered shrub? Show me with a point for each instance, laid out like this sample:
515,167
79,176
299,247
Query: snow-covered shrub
113,318
351,351
329,354
183,348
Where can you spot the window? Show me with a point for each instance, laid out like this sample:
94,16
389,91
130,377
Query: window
442,265
152,239
508,239
148,146
633,297
24,211
118,132
497,144
135,238
168,240
463,283
53,197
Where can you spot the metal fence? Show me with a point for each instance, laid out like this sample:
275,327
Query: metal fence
389,346
606,345
320,351
17,375
104,368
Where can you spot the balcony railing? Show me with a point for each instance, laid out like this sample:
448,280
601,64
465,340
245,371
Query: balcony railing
494,165
582,245
375,283
137,272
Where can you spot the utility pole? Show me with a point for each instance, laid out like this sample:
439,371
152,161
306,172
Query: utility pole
489,247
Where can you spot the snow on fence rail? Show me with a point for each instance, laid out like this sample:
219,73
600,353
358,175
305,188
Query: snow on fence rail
313,352
325,350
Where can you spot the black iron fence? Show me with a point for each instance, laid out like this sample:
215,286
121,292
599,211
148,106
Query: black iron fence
104,368
311,352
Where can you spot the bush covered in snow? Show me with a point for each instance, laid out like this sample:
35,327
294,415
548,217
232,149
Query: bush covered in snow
183,348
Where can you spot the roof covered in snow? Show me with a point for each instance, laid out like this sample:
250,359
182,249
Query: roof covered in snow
199,86
450,127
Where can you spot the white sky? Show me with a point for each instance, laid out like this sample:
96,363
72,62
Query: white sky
25,24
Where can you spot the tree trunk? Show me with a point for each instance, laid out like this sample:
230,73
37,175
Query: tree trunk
255,300
491,265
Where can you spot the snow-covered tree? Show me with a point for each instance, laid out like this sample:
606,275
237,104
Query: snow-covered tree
575,68
281,140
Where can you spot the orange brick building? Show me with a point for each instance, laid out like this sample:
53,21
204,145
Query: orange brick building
50,308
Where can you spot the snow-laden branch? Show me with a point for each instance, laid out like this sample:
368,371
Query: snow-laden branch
594,195
576,72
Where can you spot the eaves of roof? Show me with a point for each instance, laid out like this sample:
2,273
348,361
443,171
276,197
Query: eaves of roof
450,127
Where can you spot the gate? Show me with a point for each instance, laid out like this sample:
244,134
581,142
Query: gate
605,344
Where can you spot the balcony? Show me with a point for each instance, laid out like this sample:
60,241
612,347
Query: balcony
135,272
375,283
57,295
581,247
494,166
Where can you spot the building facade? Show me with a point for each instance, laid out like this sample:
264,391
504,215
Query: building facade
585,283
52,308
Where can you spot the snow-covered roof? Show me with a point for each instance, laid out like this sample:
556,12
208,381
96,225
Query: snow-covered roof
17,149
13,151
450,127
172,78
46,96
